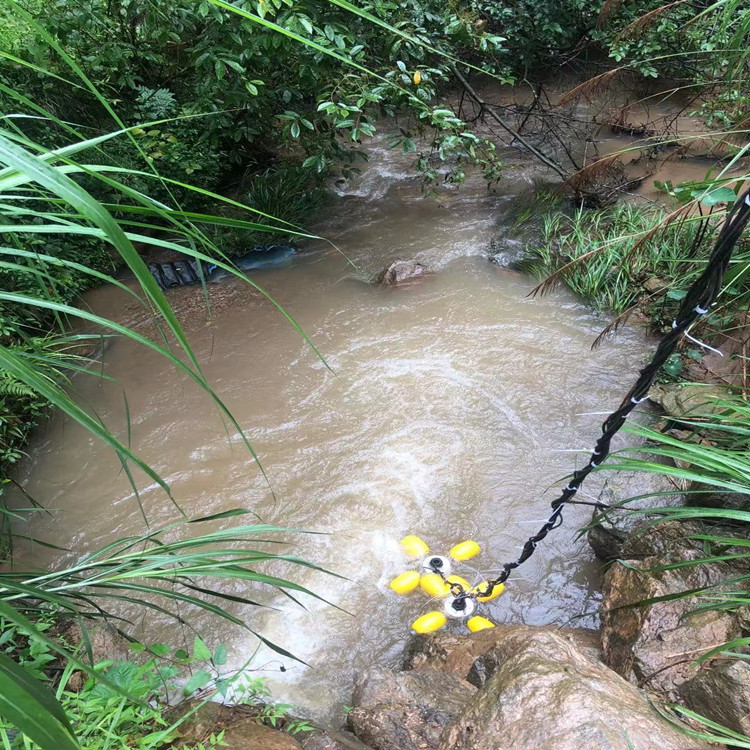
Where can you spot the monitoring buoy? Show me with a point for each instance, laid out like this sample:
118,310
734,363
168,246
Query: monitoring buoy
435,578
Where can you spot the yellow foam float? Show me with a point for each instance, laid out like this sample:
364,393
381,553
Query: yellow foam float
406,582
413,546
483,586
433,585
429,623
465,550
477,623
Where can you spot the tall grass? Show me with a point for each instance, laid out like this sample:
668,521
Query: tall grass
714,463
50,193
595,254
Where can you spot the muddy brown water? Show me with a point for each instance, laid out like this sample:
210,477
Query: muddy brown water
451,407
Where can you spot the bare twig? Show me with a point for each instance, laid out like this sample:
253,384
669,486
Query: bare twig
504,125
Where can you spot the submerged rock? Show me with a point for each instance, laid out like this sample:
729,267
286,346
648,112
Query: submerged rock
507,252
401,270
654,645
721,693
613,525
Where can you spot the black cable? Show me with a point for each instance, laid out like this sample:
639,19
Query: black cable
697,303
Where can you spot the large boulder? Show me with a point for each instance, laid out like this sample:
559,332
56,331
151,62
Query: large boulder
721,692
539,688
611,526
546,693
406,710
401,270
655,643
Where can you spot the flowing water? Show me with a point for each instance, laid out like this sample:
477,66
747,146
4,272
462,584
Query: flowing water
450,407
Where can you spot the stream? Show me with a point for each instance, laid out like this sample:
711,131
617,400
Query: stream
450,408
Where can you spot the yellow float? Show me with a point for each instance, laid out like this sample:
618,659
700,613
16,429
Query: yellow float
413,546
482,587
477,623
433,585
406,582
465,550
429,623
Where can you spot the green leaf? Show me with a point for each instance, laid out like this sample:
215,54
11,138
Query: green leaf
676,294
712,195
220,655
201,652
32,709
200,679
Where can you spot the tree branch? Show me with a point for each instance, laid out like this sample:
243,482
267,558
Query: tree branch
504,125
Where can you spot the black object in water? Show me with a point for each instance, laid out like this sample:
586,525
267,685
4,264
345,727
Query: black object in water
190,271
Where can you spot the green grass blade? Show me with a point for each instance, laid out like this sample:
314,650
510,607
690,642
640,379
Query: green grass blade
27,704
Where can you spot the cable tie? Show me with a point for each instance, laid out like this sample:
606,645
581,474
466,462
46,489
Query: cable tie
674,324
703,344
594,464
634,400
571,489
700,310
596,452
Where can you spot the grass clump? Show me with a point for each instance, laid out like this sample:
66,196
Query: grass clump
152,699
602,256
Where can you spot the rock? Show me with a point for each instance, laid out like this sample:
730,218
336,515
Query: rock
203,719
401,270
105,642
721,693
406,710
653,645
330,740
548,694
239,724
399,727
613,525
471,657
680,399
428,687
669,541
654,285
249,735
707,496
